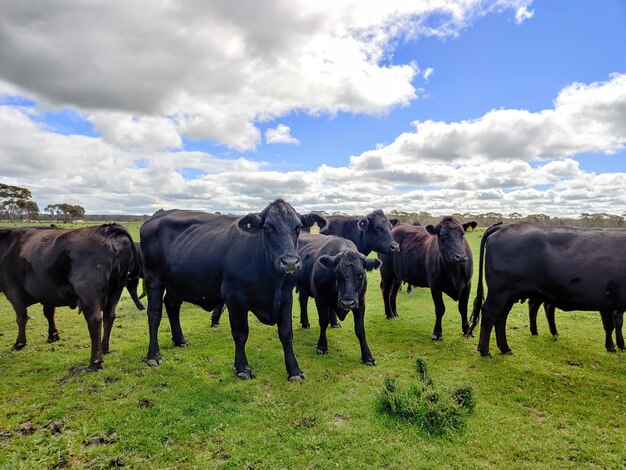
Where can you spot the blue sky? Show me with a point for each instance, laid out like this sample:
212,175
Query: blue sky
142,120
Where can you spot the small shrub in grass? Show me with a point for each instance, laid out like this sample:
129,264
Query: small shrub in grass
422,404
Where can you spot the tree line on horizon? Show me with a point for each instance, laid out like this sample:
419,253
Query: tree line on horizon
16,204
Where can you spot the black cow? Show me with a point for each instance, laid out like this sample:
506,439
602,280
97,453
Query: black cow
369,233
85,268
568,268
135,273
250,263
437,257
333,273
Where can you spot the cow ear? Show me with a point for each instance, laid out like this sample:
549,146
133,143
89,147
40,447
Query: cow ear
469,226
329,262
309,219
371,263
363,223
250,223
394,222
431,229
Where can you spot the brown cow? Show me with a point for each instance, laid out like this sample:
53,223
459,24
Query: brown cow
85,268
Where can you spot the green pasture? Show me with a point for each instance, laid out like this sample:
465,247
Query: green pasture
552,404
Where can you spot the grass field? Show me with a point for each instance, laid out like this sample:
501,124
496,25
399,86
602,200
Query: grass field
554,403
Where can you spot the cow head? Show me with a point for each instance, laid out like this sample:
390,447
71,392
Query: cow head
348,268
279,226
450,235
309,219
470,226
376,234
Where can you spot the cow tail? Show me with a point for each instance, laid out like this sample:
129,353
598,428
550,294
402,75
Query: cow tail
480,293
118,229
144,291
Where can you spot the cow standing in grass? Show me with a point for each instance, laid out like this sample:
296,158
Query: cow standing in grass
369,233
250,263
435,256
333,273
568,268
85,268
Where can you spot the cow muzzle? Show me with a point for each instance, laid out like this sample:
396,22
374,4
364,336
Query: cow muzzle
459,258
347,304
395,248
290,264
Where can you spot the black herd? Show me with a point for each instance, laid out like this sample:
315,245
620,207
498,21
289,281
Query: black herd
253,263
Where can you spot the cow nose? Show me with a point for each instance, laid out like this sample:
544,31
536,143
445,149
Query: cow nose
347,304
290,264
460,257
395,248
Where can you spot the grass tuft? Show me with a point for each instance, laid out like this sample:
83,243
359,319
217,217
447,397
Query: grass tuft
422,405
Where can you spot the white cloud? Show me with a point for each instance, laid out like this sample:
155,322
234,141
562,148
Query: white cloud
427,73
281,134
522,14
217,68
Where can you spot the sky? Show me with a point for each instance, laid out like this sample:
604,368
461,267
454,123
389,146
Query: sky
127,107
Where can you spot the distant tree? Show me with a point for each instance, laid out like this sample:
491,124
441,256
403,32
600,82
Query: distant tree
16,201
538,218
66,212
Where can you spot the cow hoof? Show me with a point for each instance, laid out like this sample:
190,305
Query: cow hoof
18,346
436,337
55,337
183,344
140,307
298,377
393,317
534,333
154,361
215,325
468,335
508,352
306,326
611,350
486,355
246,374
95,365
335,325
105,350
370,362
322,351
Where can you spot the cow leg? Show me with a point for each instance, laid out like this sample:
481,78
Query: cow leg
93,316
172,307
618,320
501,341
462,305
492,308
285,333
21,317
549,310
332,318
395,287
322,313
359,329
131,287
386,286
217,314
608,321
533,308
155,312
238,316
440,309
304,311
53,333
108,318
